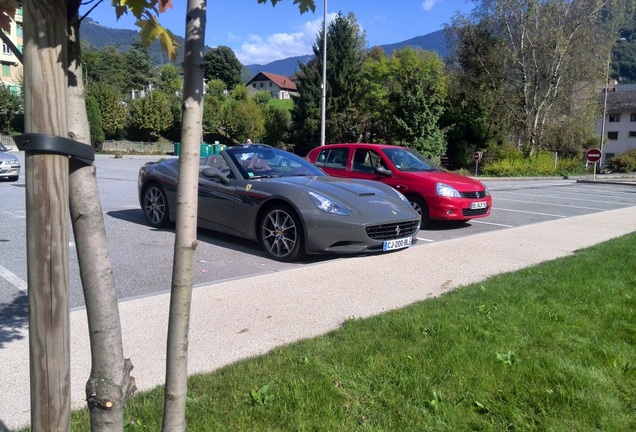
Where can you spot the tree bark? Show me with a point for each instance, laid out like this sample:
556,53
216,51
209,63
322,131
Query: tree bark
186,226
47,216
110,384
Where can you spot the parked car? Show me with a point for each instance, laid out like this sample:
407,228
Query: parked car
9,164
433,192
291,209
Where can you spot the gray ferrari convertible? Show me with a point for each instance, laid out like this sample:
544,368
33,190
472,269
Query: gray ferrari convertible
283,202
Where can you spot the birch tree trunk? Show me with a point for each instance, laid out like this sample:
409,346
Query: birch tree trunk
186,224
110,384
47,216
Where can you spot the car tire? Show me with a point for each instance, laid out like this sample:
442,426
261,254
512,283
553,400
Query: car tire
419,205
155,206
281,233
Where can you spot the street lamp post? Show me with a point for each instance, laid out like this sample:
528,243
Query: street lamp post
603,120
323,113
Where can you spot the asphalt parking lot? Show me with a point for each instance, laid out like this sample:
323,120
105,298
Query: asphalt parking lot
142,256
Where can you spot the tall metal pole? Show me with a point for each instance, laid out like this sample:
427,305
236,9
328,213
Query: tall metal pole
323,113
603,120
600,162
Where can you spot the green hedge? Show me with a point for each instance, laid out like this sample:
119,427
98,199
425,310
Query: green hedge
540,164
623,163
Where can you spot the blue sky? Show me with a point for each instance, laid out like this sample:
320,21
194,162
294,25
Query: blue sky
260,33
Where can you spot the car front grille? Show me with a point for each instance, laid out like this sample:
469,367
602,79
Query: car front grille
473,195
392,231
476,212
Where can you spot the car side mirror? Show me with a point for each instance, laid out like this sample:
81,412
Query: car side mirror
383,171
215,173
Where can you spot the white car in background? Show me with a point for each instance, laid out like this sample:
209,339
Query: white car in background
9,164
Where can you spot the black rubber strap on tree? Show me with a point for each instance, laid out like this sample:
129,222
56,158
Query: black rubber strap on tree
42,143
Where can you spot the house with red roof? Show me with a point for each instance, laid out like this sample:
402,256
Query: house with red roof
278,86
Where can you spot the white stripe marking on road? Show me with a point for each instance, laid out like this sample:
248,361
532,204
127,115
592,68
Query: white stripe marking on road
529,212
491,223
426,240
13,279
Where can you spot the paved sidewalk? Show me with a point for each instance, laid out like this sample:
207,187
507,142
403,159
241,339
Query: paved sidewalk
235,319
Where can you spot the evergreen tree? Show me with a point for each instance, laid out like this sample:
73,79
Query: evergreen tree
346,44
139,68
114,113
95,122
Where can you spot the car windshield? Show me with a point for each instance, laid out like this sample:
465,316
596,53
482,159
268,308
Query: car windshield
406,159
268,162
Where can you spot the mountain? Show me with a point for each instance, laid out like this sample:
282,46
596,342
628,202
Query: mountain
98,36
285,67
435,41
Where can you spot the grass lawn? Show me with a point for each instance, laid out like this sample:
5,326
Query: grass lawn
548,348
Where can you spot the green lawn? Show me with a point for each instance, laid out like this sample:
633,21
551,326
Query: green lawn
548,348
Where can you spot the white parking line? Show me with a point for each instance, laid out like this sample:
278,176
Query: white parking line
570,197
13,279
491,223
551,204
529,212
14,214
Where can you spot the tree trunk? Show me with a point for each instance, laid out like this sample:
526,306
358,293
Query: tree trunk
47,216
186,226
110,384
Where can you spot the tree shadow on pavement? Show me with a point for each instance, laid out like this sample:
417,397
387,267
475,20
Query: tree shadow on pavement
14,319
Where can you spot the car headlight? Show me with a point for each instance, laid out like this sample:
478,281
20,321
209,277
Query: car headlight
446,191
329,206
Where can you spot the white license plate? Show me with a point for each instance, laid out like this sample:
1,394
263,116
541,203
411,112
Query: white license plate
397,244
478,205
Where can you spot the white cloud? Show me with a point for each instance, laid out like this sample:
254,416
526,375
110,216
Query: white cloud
427,5
259,50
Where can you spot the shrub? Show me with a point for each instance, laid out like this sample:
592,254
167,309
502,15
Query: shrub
625,162
95,122
540,164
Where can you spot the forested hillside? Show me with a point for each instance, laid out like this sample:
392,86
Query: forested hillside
98,36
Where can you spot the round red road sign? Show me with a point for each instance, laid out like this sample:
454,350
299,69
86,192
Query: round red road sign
477,156
593,155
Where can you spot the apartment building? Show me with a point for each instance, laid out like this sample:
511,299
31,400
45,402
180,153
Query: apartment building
619,128
11,75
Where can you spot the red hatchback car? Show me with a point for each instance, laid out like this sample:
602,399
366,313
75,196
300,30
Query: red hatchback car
432,191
